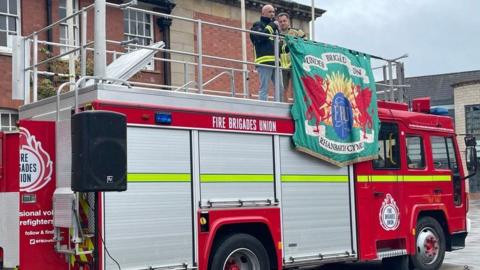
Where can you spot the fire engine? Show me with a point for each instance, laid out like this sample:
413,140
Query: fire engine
215,183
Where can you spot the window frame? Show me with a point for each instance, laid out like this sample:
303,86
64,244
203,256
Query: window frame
76,29
447,152
397,140
422,151
11,124
150,66
18,26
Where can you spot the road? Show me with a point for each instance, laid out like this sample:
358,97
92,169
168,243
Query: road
465,259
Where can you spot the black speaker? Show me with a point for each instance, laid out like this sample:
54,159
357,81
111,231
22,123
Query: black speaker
99,151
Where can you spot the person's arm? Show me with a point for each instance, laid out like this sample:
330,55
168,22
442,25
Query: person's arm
271,29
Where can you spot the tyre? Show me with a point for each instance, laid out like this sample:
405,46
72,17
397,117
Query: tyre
240,252
395,263
430,245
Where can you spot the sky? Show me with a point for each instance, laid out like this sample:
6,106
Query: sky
439,36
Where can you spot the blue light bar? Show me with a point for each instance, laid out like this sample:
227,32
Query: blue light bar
439,111
163,118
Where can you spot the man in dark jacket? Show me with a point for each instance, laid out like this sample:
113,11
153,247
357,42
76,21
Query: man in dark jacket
264,49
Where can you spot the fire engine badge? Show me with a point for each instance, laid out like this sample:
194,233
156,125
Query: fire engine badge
35,163
335,109
389,214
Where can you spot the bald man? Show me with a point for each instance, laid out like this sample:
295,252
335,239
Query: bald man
264,50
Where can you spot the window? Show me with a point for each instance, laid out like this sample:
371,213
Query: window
138,25
472,119
9,20
472,126
389,148
62,13
415,153
472,123
8,121
443,153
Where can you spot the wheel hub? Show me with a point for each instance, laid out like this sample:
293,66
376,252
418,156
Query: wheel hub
242,259
428,246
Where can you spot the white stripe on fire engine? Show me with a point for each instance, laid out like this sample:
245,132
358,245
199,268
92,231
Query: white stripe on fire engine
403,178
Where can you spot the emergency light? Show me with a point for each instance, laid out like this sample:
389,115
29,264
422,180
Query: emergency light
163,118
439,111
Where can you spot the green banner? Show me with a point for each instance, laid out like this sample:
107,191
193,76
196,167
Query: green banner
335,107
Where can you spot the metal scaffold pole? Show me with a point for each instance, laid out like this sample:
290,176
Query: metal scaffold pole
100,59
312,34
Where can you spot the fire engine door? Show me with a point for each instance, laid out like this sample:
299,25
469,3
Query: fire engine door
378,194
316,209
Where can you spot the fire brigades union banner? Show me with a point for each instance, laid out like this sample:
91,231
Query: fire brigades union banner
335,107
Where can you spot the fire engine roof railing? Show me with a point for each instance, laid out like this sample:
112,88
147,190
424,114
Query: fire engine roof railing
29,65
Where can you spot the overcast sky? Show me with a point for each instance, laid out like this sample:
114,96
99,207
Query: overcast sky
440,36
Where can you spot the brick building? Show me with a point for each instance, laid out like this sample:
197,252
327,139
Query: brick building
24,17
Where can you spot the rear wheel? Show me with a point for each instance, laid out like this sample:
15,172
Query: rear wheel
240,252
429,244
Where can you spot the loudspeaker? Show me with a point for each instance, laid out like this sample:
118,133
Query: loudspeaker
99,153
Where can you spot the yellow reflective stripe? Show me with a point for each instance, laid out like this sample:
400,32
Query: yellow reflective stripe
264,59
290,178
404,178
285,60
442,178
384,178
362,178
427,178
159,177
269,28
226,178
83,257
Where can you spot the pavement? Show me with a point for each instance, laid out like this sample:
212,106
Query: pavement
470,255
465,259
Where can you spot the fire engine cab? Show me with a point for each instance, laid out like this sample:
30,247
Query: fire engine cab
114,176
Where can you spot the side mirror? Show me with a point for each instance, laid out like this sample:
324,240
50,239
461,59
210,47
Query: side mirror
471,158
470,141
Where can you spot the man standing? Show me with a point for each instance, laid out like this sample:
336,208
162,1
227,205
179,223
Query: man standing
285,29
264,49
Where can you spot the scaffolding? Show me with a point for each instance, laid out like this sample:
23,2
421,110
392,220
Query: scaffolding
29,65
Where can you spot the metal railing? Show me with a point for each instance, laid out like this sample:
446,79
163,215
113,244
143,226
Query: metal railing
37,65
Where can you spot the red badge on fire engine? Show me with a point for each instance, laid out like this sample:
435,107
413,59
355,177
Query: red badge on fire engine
389,214
35,164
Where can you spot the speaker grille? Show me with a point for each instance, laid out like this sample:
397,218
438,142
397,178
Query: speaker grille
99,156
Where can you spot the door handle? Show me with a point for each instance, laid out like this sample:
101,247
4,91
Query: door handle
378,194
437,191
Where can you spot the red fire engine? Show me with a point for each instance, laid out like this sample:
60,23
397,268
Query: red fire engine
223,188
212,182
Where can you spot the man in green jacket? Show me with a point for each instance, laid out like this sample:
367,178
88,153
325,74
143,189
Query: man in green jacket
264,49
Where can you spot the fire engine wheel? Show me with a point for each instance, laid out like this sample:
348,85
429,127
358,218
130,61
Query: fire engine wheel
430,245
240,252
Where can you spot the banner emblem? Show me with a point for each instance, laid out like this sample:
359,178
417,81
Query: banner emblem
389,214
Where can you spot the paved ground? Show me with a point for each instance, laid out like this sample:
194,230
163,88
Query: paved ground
465,259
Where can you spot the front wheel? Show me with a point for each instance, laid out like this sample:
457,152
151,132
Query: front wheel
240,252
429,244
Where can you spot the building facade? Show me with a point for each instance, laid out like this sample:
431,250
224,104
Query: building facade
467,118
169,71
